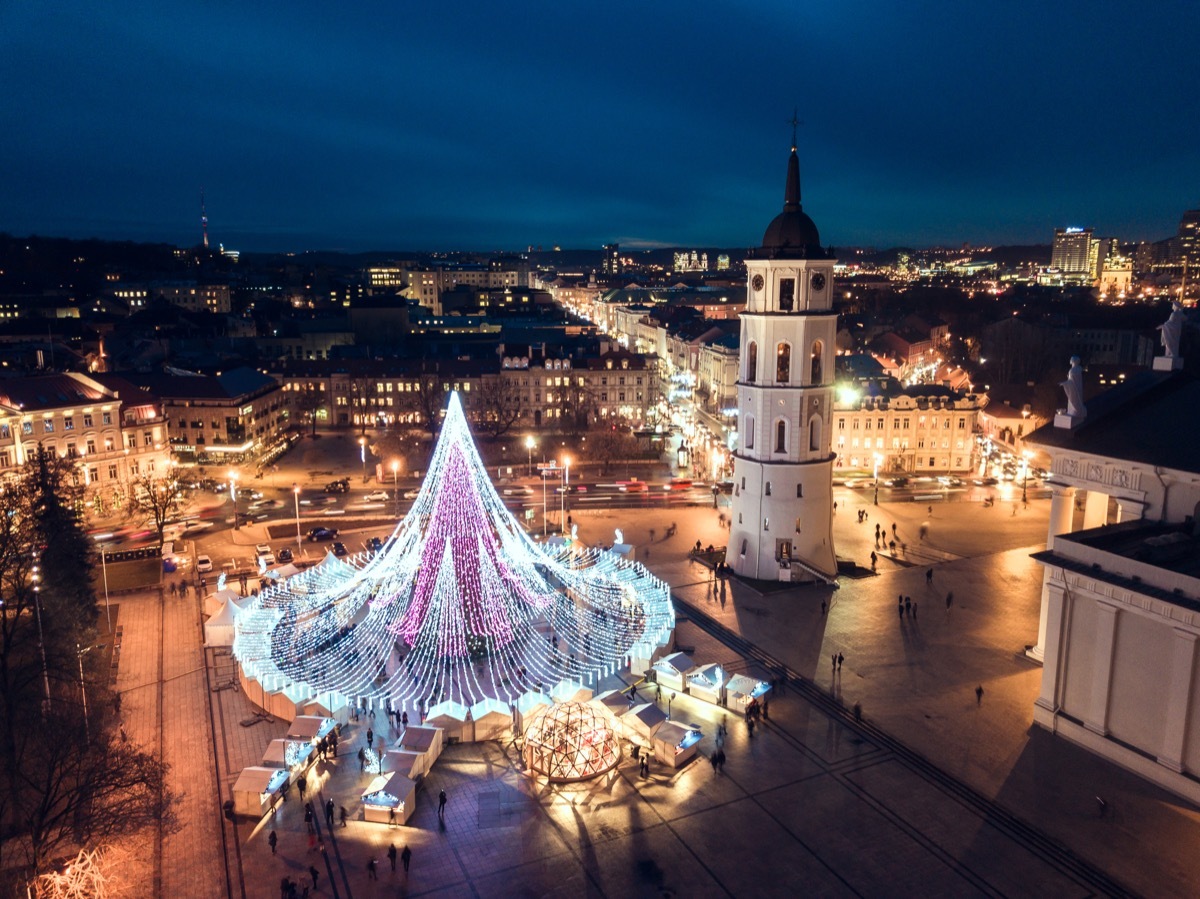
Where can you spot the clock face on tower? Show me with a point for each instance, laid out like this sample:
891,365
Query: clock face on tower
818,281
757,282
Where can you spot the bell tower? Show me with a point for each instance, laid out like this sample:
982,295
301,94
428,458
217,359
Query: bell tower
782,527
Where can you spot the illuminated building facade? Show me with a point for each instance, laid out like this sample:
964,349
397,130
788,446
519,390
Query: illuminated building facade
1075,255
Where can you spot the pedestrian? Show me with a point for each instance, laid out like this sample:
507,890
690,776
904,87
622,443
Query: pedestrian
907,605
766,710
342,815
301,783
308,818
362,759
914,611
929,578
893,529
858,711
314,874
979,695
833,661
329,812
949,601
441,803
404,719
841,658
713,759
371,875
892,546
333,742
750,727
370,737
822,607
405,858
392,856
272,841
721,760
901,608
874,559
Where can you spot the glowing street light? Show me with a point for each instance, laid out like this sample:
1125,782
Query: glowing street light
878,459
79,651
396,479
296,502
530,443
233,479
562,513
362,452
1025,479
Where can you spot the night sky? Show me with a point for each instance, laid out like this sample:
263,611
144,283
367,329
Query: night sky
492,125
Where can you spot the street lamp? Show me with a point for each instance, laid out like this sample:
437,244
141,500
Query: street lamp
362,444
233,479
396,479
530,443
544,473
562,512
79,651
878,459
107,609
1025,479
296,502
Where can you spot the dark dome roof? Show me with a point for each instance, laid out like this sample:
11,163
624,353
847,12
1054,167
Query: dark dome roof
792,234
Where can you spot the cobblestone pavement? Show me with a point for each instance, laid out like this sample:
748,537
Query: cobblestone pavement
917,800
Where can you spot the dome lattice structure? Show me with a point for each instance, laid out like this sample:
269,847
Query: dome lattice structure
572,741
459,605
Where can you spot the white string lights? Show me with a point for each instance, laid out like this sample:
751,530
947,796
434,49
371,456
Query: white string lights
460,604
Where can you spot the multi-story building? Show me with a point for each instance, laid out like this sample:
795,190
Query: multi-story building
923,429
116,432
1075,255
425,284
231,417
190,295
612,259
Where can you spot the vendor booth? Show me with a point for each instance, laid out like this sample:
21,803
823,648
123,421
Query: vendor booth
423,741
218,630
288,700
707,682
310,727
328,705
741,689
671,671
294,755
675,744
451,717
640,723
493,719
615,701
390,799
404,762
258,789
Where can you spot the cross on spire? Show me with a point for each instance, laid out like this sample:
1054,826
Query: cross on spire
794,121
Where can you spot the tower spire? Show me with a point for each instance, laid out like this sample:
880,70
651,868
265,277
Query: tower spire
204,219
794,121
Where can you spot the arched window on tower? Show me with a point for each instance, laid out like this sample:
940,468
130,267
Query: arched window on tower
781,436
815,374
814,433
752,362
749,432
783,363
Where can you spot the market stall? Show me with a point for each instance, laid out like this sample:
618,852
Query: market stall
258,789
452,718
615,701
310,727
493,719
424,741
671,671
390,799
640,722
219,628
707,682
402,761
741,688
328,705
294,755
288,700
529,706
675,744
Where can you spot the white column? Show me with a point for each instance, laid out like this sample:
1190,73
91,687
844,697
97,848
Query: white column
1095,513
1096,717
1179,700
1062,510
1054,652
1128,510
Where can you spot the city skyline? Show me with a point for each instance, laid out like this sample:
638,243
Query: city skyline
369,130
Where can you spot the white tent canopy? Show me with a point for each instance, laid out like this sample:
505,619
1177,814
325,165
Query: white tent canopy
219,629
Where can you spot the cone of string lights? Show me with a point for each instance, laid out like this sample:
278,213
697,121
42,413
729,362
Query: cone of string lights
460,605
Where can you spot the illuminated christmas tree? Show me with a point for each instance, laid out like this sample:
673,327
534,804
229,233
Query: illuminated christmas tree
460,604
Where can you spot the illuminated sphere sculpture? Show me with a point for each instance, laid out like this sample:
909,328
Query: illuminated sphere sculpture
572,741
460,605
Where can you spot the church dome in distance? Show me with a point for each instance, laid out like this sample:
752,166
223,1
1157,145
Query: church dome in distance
792,234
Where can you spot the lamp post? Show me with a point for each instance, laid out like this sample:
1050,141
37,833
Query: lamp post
362,445
562,506
395,479
670,699
233,478
543,503
530,443
37,605
296,502
79,651
107,609
878,459
1025,479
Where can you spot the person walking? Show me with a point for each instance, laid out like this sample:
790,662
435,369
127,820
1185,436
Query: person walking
329,812
914,611
301,784
370,737
929,578
979,695
342,815
371,874
874,560
362,759
441,803
822,607
949,601
308,818
858,711
907,605
392,856
405,858
272,841
314,874
841,658
404,719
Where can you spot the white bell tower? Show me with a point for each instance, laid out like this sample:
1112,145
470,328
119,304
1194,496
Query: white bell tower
782,525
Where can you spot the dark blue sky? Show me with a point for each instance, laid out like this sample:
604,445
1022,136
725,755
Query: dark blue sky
491,125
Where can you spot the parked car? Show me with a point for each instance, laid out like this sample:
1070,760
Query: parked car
377,496
985,482
322,534
339,549
375,544
285,555
263,553
342,486
203,564
411,494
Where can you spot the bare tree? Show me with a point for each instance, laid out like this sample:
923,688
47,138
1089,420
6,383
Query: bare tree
498,405
308,403
159,497
427,402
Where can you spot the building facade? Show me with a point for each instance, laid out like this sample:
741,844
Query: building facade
783,466
919,430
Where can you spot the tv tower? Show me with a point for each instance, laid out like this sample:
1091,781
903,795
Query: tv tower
203,219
